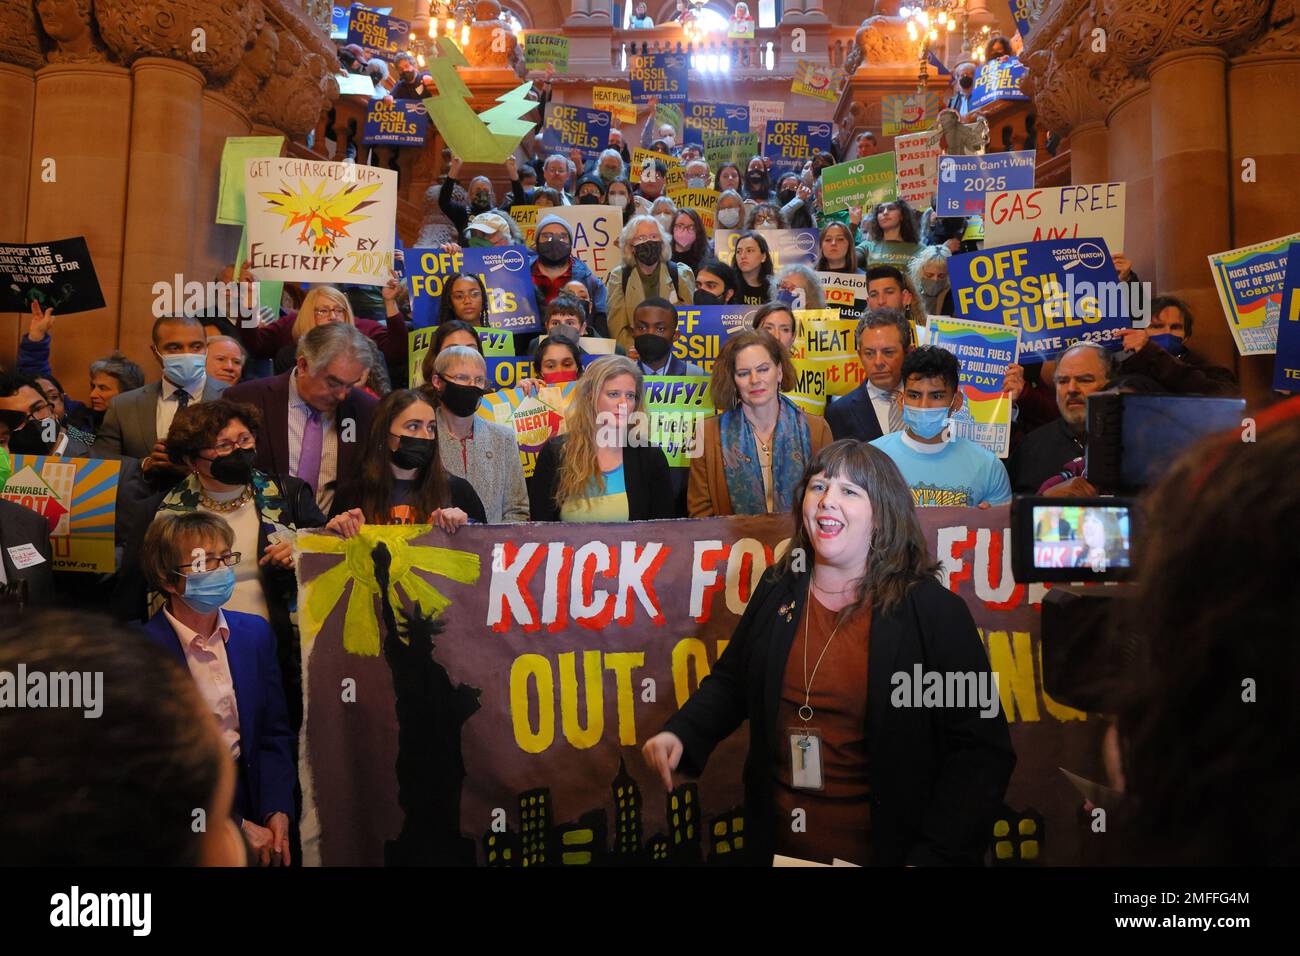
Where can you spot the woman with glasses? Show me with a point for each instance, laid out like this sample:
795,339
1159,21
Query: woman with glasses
646,272
190,559
464,297
892,236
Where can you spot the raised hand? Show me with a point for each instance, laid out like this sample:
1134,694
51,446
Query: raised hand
454,169
662,753
42,323
512,168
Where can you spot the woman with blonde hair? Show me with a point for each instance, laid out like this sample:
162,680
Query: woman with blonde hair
603,467
322,305
646,272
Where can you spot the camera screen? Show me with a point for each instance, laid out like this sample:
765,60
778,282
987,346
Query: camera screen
1074,536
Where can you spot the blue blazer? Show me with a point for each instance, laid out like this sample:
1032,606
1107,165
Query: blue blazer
266,742
853,416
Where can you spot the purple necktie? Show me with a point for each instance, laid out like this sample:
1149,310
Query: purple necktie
309,457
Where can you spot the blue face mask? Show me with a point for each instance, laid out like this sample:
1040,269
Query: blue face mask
1169,342
925,422
184,371
209,590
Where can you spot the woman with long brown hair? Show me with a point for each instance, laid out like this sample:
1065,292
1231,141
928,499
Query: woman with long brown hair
851,612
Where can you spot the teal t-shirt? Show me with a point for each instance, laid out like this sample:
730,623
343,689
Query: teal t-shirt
957,473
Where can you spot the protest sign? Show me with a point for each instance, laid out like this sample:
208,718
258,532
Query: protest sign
526,218
846,291
494,342
676,404
576,127
350,84
821,82
487,137
783,245
809,392
701,330
1250,281
1024,13
1055,212
917,175
670,114
377,33
984,351
512,305
963,180
56,275
78,499
230,188
1286,366
1058,293
828,348
594,345
641,156
541,49
594,230
534,419
614,100
338,23
663,75
859,182
998,80
704,119
401,123
320,222
908,112
551,633
507,371
735,148
703,201
791,143
760,111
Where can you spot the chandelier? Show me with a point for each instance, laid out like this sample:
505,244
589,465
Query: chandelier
980,41
926,22
452,18
693,28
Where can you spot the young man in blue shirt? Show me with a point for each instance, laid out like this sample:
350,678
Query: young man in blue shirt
941,469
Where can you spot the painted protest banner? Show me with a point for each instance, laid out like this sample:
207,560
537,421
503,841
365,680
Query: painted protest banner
676,404
735,148
543,48
819,82
908,112
614,100
320,222
701,330
703,201
1286,365
663,75
535,419
998,80
783,245
761,111
377,33
526,218
791,143
58,275
504,270
401,123
963,180
704,119
859,182
78,499
505,372
917,175
1250,282
828,349
594,230
984,350
494,342
847,292
1055,212
551,632
230,184
1057,293
670,114
576,127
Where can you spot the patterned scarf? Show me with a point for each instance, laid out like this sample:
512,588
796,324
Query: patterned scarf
791,452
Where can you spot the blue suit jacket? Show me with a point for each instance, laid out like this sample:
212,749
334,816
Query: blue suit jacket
266,742
853,416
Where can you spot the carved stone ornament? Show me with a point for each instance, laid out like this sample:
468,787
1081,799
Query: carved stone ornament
1140,32
255,68
20,44
207,34
70,26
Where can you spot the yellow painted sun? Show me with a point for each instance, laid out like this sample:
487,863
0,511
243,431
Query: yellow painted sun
320,596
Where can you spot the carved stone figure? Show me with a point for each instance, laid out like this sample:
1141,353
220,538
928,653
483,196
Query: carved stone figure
963,139
491,42
256,67
882,39
70,25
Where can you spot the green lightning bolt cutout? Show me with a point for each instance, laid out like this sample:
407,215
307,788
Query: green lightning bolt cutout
489,138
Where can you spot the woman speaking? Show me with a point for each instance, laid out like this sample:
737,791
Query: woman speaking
841,765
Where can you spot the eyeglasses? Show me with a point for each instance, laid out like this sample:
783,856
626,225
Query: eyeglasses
226,446
324,310
466,296
229,559
478,381
37,410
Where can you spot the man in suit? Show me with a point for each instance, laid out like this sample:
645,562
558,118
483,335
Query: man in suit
25,537
314,418
136,423
873,409
28,423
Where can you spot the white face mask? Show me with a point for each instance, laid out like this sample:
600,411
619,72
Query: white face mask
729,217
619,201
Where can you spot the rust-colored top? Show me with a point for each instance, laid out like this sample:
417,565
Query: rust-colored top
837,819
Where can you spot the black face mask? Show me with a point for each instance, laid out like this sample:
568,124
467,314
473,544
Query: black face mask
967,82
652,348
757,182
461,400
481,203
30,439
412,452
553,251
235,468
703,297
589,200
648,253
785,195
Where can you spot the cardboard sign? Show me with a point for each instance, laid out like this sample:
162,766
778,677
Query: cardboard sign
791,143
917,174
494,343
704,119
736,148
964,180
701,330
676,177
56,275
847,292
236,151
78,499
1250,282
503,269
535,419
616,101
760,111
594,230
703,201
576,127
818,81
543,48
998,80
526,218
319,222
1055,212
664,75
827,349
783,245
402,123
859,182
377,33
984,351
908,112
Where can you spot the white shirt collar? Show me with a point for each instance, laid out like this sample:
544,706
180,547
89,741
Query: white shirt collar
187,634
879,394
170,388
921,447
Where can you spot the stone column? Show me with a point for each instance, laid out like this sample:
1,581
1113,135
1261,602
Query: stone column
1129,161
214,245
1090,153
164,179
18,93
1189,153
83,123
